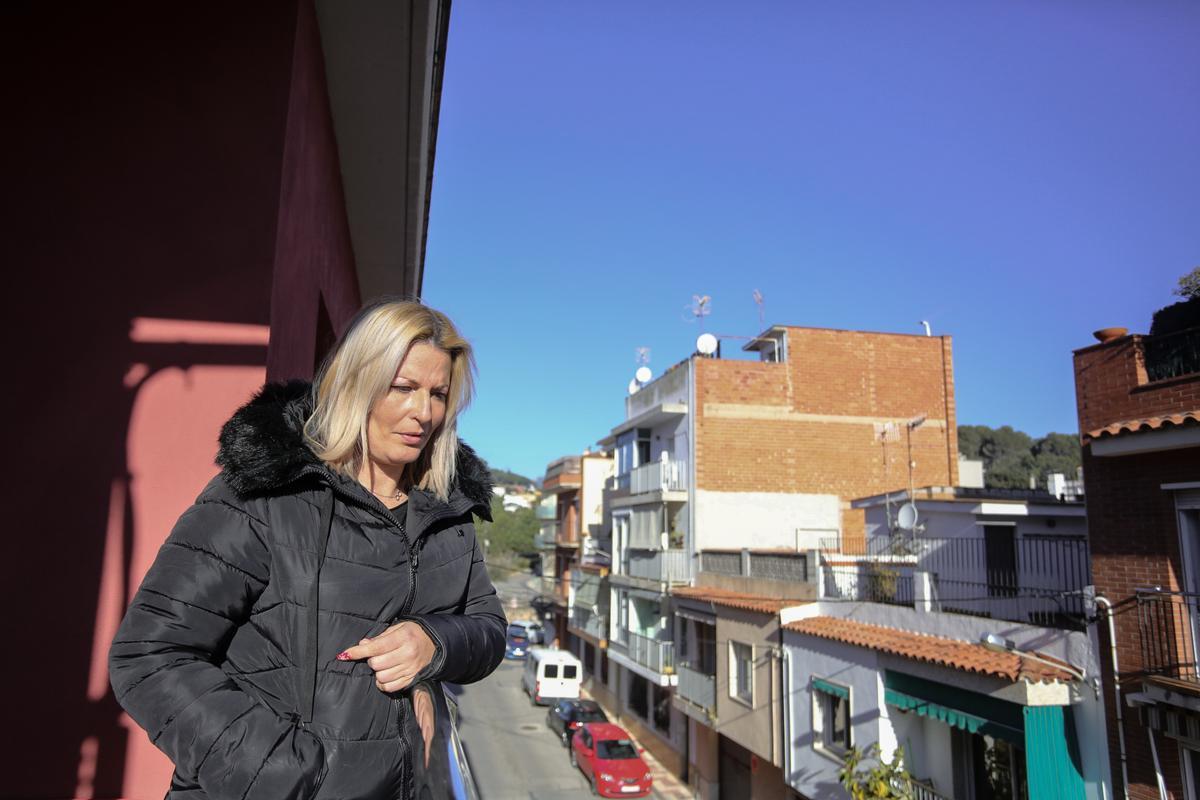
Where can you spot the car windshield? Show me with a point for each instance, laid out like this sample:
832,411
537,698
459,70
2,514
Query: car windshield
516,630
590,715
613,749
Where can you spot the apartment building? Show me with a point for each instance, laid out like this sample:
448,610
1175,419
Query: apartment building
1138,401
729,667
965,639
721,454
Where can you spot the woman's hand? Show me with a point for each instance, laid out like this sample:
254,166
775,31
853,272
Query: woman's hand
423,708
397,655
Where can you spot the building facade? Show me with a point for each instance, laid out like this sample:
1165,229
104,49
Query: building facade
717,454
1138,401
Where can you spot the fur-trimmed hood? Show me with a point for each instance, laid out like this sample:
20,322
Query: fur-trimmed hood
262,449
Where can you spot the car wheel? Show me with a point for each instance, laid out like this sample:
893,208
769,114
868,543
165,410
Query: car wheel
595,789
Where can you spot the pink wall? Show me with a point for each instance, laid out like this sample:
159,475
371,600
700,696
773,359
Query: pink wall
149,181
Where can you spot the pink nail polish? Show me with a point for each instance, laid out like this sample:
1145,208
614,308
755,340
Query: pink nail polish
343,656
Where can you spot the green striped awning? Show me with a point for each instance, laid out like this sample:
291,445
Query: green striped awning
952,717
831,688
957,707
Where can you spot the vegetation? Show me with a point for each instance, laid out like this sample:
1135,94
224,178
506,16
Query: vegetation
1189,285
866,776
502,477
509,533
1010,456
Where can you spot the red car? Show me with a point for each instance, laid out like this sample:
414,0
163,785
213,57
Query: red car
609,758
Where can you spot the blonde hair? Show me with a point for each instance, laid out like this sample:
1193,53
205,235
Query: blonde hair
359,371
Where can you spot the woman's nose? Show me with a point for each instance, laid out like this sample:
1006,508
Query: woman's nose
422,406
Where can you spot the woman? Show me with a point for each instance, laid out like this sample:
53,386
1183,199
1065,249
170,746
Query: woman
279,645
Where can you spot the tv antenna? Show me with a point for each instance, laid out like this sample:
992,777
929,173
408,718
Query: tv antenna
642,356
701,308
643,374
758,300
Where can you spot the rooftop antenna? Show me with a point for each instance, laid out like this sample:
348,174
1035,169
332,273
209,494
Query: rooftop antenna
758,300
643,374
701,308
925,322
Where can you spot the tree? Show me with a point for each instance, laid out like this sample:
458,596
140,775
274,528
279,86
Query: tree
509,532
1189,285
1010,457
883,780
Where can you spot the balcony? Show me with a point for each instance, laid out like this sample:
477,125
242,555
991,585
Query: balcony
660,566
654,654
659,476
788,567
698,688
1168,624
1172,355
1033,579
592,624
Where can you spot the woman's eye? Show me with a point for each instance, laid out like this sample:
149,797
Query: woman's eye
398,388
443,396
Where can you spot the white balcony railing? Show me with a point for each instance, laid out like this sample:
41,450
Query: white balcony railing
659,476
654,654
663,566
697,687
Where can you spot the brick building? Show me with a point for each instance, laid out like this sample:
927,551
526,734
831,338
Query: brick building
719,453
1139,418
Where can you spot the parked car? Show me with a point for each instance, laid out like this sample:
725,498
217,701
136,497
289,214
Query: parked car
565,717
551,675
522,634
607,756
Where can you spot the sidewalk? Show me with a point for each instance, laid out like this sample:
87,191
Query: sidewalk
667,786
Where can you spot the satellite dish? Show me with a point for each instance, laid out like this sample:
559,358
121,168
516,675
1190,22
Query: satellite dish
643,375
706,344
634,386
907,517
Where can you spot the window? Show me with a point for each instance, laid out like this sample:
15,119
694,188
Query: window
569,672
604,667
706,645
551,671
662,709
643,446
741,672
638,687
589,658
831,716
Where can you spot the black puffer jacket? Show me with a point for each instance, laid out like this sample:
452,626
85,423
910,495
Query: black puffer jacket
227,655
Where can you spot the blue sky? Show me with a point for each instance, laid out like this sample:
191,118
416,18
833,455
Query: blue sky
1018,173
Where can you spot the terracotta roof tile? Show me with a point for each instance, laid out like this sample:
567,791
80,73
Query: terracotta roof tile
952,653
1146,423
742,600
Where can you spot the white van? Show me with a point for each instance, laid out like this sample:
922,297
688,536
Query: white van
551,675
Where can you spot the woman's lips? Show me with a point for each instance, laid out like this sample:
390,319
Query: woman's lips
412,438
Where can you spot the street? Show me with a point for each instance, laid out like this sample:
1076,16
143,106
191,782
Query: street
513,755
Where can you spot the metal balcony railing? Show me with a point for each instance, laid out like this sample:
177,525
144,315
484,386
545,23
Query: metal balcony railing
1034,579
698,688
593,624
1172,355
1169,624
664,566
654,654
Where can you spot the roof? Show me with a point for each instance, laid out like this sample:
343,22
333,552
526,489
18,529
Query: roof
741,600
940,650
1144,424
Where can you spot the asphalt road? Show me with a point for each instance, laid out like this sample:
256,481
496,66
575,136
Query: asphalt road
513,755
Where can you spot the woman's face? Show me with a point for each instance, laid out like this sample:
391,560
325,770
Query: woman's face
403,421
